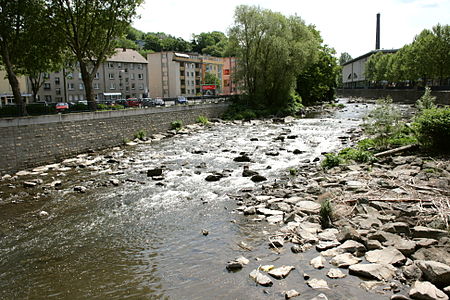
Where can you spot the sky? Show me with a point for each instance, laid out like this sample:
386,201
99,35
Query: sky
346,25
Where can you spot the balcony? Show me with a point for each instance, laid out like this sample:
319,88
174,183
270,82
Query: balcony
182,69
182,77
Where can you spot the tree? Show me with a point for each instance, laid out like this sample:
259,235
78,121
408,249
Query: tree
272,50
345,57
90,28
19,29
211,43
318,82
161,41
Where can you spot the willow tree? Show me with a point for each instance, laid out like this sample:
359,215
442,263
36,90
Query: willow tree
272,50
90,29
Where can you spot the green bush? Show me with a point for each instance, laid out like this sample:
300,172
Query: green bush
176,125
331,160
433,129
293,171
357,155
326,213
141,134
79,107
202,120
102,106
426,101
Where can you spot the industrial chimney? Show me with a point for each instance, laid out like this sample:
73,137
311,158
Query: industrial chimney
377,42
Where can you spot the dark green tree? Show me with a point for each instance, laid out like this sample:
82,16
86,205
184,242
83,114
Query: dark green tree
211,43
345,57
90,29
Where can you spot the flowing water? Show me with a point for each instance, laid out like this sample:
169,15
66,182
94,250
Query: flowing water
142,239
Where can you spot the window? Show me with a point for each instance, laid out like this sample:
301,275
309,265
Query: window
112,86
111,65
46,75
111,75
139,66
140,76
80,76
119,65
141,86
96,86
58,99
58,91
70,98
132,76
57,80
81,86
47,86
97,76
133,86
70,86
48,98
131,66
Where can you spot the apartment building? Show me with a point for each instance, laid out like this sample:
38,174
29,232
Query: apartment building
122,76
6,95
173,74
230,86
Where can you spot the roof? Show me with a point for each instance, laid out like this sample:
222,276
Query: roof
370,54
128,56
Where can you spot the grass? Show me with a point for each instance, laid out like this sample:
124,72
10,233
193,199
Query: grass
202,120
141,134
176,125
326,213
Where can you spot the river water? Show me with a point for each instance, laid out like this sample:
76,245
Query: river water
143,239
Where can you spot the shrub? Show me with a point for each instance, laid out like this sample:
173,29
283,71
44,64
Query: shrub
426,101
293,171
102,106
141,134
357,155
248,115
176,125
331,160
326,213
433,129
202,120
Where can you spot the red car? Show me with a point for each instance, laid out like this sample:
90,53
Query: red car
133,102
61,106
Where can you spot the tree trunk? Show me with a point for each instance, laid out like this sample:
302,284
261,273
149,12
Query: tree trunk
36,84
13,81
87,81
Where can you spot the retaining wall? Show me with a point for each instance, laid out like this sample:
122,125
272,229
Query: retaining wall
32,141
403,96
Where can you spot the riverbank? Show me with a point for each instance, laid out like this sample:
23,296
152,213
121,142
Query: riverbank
144,220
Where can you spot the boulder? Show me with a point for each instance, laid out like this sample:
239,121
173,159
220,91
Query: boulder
258,178
317,283
242,158
345,260
154,172
433,253
291,294
309,207
435,272
335,274
426,232
214,177
385,256
260,278
352,246
281,272
348,233
307,236
424,290
373,245
322,246
318,262
412,272
374,271
396,227
269,212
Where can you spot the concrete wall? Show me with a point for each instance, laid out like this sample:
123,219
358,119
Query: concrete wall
403,96
33,141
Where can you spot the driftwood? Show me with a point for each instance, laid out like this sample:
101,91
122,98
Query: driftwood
396,150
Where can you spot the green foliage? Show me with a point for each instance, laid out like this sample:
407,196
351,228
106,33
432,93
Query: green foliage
176,125
211,43
366,144
326,213
331,160
273,50
345,57
210,78
433,129
141,134
79,107
318,82
202,120
293,171
358,155
160,41
384,122
426,101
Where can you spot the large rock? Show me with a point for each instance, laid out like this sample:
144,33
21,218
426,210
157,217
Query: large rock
154,172
435,272
424,290
317,283
281,272
433,253
242,158
406,247
344,260
335,274
375,271
309,207
386,256
318,262
426,232
396,227
307,236
258,178
384,237
260,278
348,233
352,246
322,246
291,294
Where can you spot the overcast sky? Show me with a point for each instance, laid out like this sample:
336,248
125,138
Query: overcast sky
346,25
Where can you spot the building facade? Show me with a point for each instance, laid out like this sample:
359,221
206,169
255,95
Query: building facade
122,76
230,86
173,74
353,71
6,95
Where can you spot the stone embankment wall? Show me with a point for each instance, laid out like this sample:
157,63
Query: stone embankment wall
402,96
32,141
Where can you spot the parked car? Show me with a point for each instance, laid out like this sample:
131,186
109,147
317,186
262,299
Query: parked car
159,102
62,106
147,102
182,100
133,102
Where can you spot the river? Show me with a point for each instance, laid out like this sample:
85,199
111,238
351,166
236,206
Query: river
143,238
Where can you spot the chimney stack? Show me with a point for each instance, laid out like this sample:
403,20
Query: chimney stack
377,42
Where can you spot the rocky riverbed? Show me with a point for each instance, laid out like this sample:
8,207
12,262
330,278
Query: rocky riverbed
229,211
